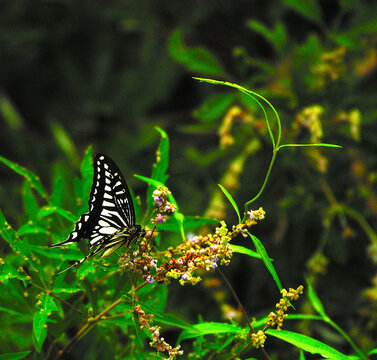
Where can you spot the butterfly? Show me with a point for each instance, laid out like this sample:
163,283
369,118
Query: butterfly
110,222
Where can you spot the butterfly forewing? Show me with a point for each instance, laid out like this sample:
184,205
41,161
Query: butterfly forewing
110,205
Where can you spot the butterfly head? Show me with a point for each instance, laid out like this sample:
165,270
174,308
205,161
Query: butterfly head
136,230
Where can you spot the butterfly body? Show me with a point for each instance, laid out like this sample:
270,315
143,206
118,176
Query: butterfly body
110,222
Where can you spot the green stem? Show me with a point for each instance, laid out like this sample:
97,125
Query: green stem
344,334
91,322
263,186
246,317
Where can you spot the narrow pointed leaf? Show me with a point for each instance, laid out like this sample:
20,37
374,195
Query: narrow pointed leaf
65,143
87,173
196,59
160,166
208,328
263,253
191,222
242,250
31,228
231,200
30,202
45,305
28,175
308,344
49,210
314,300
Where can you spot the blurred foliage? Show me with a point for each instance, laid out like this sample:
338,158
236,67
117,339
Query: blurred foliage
80,73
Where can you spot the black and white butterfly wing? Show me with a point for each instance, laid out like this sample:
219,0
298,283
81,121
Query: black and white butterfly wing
110,206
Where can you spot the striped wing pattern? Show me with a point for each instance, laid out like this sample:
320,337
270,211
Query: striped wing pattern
110,220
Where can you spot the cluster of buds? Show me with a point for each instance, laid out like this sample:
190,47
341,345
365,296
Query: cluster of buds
330,68
353,118
199,252
139,261
310,118
258,339
202,252
157,342
254,216
277,318
163,206
317,264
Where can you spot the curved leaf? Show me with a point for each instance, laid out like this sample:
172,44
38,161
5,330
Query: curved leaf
231,200
196,59
263,253
208,328
28,175
242,250
308,344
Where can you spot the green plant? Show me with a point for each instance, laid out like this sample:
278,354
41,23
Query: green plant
127,298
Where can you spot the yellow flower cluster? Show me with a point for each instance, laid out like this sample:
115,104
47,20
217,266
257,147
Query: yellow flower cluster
353,118
331,67
277,318
258,339
201,252
310,118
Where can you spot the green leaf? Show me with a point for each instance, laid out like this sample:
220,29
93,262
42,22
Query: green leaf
87,173
310,145
242,250
162,162
372,352
166,319
30,202
255,96
156,183
65,143
231,200
33,179
351,38
208,328
10,113
57,185
31,228
308,344
156,296
177,215
7,271
214,107
190,222
160,166
263,253
45,305
9,235
63,253
66,290
195,59
277,37
314,300
302,356
49,210
15,356
307,8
